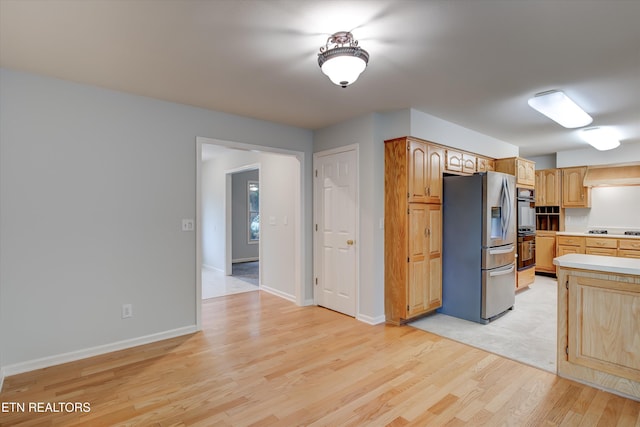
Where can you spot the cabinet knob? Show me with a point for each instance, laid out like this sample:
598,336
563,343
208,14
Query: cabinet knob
350,242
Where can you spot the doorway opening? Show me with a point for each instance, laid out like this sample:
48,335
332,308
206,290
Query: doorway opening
274,225
244,199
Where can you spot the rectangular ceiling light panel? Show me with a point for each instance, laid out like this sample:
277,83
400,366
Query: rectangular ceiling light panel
560,108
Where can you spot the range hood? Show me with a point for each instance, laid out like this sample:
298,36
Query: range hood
613,175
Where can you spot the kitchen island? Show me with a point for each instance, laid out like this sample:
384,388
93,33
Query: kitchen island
599,321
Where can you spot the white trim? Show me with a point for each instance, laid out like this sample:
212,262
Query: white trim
1,378
371,320
212,268
308,302
278,293
252,259
58,359
198,233
300,243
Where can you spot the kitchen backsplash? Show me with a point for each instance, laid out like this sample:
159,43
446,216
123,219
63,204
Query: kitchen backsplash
611,208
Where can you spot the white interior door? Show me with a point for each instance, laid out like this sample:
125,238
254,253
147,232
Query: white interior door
336,225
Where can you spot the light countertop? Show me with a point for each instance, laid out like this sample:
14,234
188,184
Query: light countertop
607,264
613,236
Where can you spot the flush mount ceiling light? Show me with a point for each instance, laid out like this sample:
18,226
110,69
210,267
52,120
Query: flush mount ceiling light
560,108
600,138
341,59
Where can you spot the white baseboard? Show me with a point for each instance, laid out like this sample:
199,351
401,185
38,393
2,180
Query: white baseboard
212,268
278,293
45,362
371,320
234,261
308,302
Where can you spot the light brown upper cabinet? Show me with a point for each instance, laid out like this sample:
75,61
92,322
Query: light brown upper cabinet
523,169
436,169
468,163
418,171
453,161
424,178
548,188
484,164
574,193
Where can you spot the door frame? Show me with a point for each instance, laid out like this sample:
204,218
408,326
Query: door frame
228,215
301,220
317,216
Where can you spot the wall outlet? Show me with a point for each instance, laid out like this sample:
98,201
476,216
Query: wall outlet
187,225
127,310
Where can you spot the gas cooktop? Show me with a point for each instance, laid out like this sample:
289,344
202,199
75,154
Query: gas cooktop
597,231
632,233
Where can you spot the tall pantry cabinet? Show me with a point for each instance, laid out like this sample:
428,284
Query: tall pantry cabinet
413,228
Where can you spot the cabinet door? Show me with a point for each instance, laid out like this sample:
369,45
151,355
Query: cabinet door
545,252
435,170
434,235
540,188
484,164
574,194
525,172
468,163
453,161
602,318
552,189
418,272
417,179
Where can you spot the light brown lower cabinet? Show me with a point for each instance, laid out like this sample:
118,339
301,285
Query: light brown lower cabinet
413,263
598,329
629,248
525,277
545,251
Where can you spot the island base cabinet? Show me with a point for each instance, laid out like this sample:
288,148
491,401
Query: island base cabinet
599,329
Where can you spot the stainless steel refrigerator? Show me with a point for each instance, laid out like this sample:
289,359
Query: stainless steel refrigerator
479,246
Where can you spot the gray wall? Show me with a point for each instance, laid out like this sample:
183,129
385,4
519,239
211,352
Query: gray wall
241,249
93,186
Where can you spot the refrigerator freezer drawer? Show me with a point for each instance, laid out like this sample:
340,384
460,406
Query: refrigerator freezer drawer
498,290
498,256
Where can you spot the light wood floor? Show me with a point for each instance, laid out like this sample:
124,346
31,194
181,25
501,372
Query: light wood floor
261,360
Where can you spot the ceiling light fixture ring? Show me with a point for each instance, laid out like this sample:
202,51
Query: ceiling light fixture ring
341,59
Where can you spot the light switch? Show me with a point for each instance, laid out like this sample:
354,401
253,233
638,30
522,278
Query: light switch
187,224
272,220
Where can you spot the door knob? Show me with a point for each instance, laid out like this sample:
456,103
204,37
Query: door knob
350,242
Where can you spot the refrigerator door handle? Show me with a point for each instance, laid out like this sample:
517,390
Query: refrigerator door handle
502,272
501,251
506,208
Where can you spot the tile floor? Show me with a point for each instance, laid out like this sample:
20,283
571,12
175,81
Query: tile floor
216,284
526,334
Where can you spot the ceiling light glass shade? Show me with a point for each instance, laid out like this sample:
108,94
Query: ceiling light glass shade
560,108
600,138
342,60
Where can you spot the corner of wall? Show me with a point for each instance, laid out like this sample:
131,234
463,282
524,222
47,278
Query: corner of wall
371,320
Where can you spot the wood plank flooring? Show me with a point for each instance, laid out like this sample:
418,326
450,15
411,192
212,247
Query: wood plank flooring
262,361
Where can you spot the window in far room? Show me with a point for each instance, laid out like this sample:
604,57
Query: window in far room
254,211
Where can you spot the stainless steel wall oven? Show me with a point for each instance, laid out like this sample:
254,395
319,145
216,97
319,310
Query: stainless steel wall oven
526,251
526,228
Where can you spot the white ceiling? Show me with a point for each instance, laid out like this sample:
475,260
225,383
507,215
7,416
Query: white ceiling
471,62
